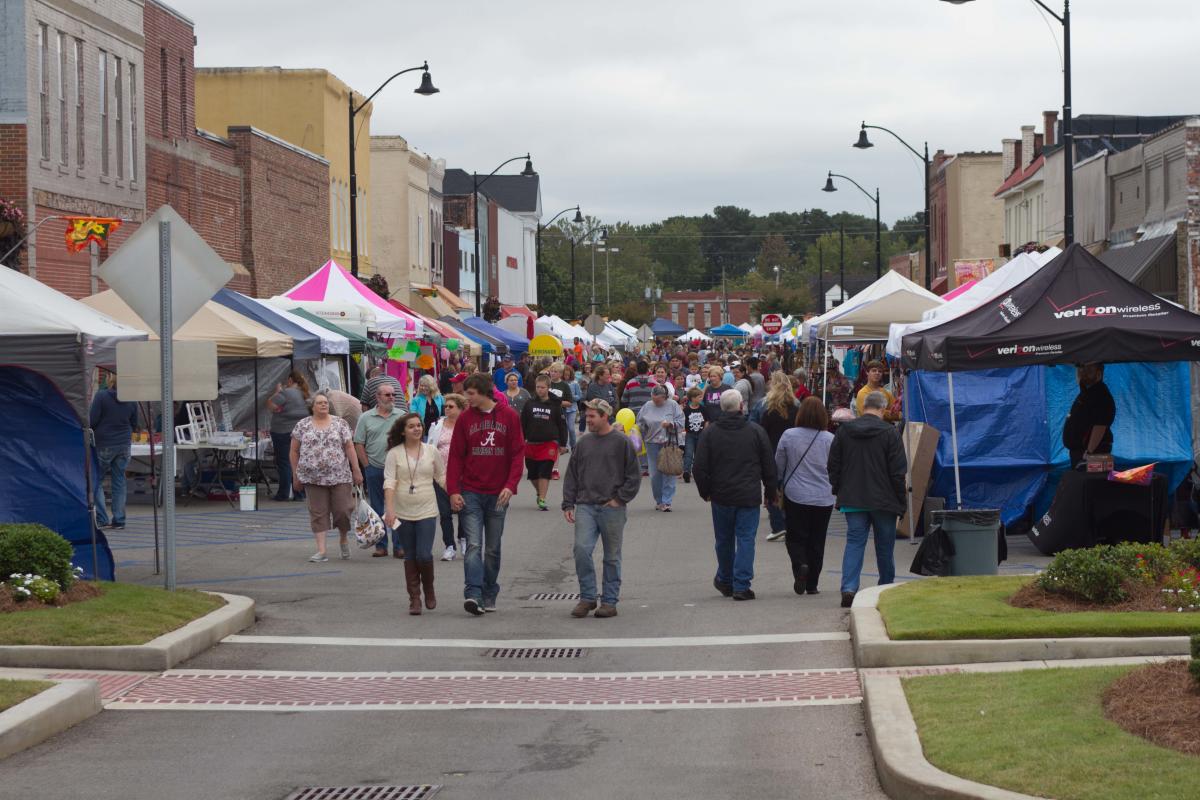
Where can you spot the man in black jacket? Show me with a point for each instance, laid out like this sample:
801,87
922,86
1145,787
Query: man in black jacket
733,459
866,470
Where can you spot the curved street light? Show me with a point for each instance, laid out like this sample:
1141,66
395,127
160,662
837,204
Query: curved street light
528,172
829,187
537,247
426,88
1068,136
863,143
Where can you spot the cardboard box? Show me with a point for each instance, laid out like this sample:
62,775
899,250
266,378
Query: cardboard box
920,446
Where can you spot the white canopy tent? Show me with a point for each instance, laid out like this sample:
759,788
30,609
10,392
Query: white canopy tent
866,316
891,283
333,344
987,289
692,335
612,336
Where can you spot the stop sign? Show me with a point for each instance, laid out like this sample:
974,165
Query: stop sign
772,324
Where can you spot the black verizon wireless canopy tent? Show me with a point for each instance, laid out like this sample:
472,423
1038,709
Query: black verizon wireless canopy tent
1073,310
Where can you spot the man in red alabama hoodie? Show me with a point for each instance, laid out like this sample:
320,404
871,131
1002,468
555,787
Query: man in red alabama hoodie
482,475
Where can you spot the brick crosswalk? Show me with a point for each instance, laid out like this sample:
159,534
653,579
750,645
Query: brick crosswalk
308,691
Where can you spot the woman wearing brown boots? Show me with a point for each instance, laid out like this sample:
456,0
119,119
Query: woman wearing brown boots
409,473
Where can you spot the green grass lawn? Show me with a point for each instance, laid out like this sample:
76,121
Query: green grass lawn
124,614
13,692
1042,732
976,608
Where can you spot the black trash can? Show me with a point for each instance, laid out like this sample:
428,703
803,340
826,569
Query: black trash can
974,533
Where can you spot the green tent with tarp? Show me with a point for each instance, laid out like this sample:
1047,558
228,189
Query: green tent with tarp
358,342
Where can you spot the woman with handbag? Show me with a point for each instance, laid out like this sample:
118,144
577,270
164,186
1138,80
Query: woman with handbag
544,426
411,470
777,414
802,461
661,424
323,465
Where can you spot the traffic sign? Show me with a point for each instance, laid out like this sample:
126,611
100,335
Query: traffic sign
645,333
594,324
772,324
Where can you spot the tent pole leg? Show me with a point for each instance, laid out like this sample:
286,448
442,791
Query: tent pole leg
825,373
87,455
954,441
912,523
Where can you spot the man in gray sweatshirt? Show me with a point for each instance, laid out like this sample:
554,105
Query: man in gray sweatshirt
602,478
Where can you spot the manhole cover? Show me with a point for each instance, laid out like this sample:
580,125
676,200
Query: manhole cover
364,792
555,596
536,652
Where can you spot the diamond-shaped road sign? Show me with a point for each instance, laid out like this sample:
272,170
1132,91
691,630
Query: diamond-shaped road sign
197,272
594,324
645,333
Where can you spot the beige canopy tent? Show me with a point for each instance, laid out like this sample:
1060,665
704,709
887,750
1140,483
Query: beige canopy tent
236,336
868,315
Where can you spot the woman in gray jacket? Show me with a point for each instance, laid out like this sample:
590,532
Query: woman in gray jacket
661,422
802,460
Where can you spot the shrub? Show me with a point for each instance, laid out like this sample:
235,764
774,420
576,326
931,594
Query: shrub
35,549
1090,574
1147,563
29,586
1187,552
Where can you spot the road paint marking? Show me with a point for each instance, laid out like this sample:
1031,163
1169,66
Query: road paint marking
478,644
121,705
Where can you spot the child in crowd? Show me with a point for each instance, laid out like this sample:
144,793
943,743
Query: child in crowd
695,417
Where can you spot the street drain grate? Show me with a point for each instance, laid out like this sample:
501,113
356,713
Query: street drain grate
536,652
555,596
418,792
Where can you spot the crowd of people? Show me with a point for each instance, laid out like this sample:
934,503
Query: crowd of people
744,429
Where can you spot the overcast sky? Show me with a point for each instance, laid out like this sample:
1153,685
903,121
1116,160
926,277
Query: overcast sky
642,110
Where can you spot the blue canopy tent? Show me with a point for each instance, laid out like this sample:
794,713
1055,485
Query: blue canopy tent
514,343
488,344
728,331
1010,454
665,327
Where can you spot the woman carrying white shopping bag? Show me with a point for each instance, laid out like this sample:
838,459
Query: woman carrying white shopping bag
410,503
323,465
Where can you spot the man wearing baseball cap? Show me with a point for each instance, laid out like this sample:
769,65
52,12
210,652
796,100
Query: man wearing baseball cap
602,478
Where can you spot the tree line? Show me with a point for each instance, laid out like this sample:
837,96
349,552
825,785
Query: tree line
698,252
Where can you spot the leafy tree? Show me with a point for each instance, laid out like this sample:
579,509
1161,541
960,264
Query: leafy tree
785,300
634,312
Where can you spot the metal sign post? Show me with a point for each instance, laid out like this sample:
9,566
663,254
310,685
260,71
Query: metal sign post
166,333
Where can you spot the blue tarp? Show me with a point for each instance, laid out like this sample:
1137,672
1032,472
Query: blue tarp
516,344
305,344
43,478
1010,423
665,327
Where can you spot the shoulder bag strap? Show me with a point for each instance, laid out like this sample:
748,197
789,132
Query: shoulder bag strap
801,461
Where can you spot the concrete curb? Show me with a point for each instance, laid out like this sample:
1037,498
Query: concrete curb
899,760
156,655
47,714
873,648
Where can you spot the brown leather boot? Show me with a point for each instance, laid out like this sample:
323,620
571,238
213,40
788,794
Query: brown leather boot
412,577
426,571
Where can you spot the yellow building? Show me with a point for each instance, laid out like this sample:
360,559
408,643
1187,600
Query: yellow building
307,108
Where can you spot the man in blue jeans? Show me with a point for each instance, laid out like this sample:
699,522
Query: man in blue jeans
113,423
603,476
867,468
733,468
370,442
484,469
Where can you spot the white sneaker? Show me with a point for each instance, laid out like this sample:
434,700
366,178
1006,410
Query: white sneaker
462,548
449,553
776,536
318,558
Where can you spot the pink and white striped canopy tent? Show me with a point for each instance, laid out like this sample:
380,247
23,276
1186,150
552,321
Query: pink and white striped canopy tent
333,284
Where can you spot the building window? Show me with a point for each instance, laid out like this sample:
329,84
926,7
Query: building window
133,127
183,87
162,80
102,83
691,315
119,103
79,103
44,90
63,141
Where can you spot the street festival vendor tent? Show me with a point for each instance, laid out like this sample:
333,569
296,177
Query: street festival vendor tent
49,346
665,327
727,331
1072,310
865,317
333,284
694,335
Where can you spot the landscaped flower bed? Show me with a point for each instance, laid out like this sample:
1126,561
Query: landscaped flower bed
1125,577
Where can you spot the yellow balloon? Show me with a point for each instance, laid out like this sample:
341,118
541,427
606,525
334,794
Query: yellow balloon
626,419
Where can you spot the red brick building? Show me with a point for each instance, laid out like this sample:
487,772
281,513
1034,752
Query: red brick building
703,310
260,203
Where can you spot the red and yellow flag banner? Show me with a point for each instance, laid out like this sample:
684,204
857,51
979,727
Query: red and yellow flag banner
82,230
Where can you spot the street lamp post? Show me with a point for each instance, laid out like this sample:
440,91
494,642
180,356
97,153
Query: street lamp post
862,144
575,241
537,245
1068,136
607,283
475,184
426,88
829,187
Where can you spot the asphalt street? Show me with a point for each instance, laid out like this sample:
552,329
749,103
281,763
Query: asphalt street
670,622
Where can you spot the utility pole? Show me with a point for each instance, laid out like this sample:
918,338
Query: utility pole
725,298
653,294
821,278
842,260
593,304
